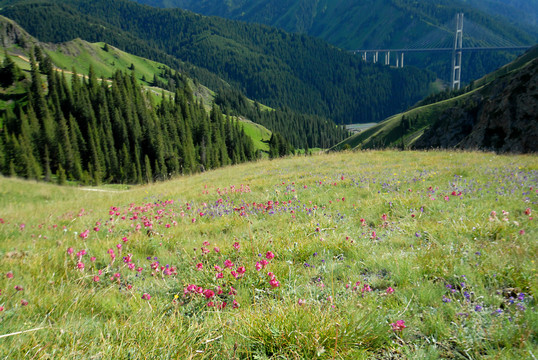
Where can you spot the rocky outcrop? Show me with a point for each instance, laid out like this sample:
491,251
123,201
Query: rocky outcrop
501,117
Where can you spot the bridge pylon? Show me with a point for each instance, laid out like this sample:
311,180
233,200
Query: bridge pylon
456,53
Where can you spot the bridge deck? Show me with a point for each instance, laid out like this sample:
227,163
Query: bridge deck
446,49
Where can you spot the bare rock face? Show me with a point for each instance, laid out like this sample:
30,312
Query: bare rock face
501,117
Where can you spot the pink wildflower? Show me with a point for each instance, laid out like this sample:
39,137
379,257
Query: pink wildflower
398,325
269,255
146,296
390,290
236,246
228,263
209,293
9,275
274,282
200,266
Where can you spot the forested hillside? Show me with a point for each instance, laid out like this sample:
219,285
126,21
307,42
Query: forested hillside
273,67
496,113
97,131
386,24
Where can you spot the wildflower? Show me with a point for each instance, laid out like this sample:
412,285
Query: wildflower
241,270
390,290
70,251
84,234
528,211
209,293
235,304
522,232
80,266
199,266
216,249
374,235
398,325
24,302
258,266
146,296
236,246
478,308
274,283
96,278
19,288
446,299
220,275
269,255
9,275
228,263
301,302
1,308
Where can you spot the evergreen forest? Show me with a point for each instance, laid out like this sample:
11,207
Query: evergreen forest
98,130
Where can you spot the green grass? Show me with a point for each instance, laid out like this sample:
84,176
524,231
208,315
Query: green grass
259,134
432,217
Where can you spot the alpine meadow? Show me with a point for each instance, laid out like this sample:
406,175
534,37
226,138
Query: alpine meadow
236,180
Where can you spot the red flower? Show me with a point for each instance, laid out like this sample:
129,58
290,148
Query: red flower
398,325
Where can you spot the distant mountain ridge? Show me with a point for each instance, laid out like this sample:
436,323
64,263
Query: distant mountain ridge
387,24
366,24
273,67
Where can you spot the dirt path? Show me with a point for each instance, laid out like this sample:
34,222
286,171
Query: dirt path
102,190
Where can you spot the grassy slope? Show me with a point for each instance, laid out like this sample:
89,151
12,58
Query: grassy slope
387,133
79,55
426,243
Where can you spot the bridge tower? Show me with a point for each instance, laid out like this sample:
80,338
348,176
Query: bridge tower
456,53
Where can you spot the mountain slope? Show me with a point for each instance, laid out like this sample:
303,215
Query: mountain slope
268,65
500,113
354,24
389,24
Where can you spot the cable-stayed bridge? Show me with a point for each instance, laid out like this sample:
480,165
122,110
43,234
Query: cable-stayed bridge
445,39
